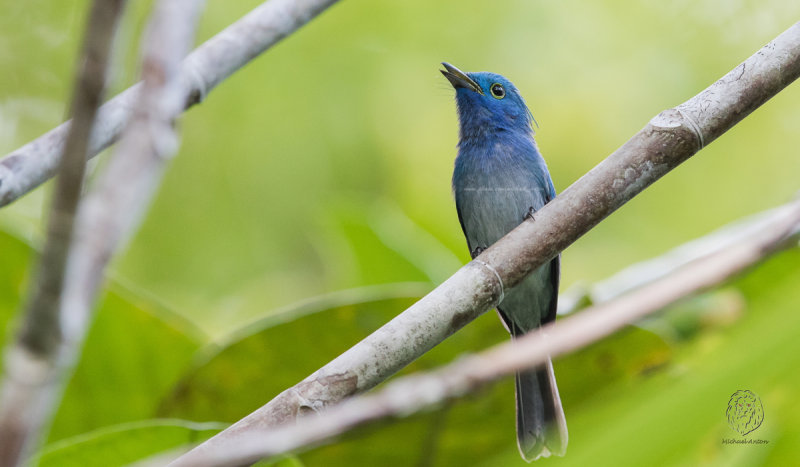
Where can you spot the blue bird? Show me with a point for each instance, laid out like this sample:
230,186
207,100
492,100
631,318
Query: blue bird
499,180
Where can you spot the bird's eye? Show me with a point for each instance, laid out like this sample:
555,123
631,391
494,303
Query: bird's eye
497,91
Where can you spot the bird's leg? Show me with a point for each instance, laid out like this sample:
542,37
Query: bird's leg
529,214
478,250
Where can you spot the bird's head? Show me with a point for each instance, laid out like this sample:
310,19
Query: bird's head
487,102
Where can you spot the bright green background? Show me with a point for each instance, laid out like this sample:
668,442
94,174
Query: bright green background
310,202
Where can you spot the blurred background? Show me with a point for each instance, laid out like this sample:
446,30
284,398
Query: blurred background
310,202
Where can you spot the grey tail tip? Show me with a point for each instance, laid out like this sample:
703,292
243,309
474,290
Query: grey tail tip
533,449
541,425
531,457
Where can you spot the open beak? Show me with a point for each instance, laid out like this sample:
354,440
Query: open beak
459,79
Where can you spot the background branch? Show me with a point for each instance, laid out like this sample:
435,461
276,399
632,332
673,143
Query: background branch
31,165
32,358
404,396
113,209
580,296
669,139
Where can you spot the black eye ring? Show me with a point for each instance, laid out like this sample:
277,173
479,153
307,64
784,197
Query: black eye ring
497,90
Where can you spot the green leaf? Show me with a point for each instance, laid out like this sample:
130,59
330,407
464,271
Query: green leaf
286,461
131,359
618,359
265,357
134,352
16,256
125,443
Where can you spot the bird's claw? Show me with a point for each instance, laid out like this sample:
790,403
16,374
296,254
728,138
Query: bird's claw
529,214
477,251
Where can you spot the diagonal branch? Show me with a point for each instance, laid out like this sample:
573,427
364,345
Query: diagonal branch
669,139
31,165
30,360
404,396
112,211
638,275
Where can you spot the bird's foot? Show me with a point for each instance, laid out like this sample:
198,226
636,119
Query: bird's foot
478,250
529,214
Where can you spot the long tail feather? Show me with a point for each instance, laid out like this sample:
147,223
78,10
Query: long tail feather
541,425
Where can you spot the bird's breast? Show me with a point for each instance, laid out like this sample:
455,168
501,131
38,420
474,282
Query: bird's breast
496,188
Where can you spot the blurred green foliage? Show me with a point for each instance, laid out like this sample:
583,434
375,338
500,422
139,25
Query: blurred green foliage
126,443
310,202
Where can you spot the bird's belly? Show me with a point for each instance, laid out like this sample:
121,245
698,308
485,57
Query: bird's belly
488,213
528,303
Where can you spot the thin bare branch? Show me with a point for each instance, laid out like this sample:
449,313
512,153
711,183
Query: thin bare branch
114,208
669,139
416,392
637,275
31,165
33,356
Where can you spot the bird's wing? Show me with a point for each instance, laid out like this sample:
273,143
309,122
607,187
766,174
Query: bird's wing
463,228
555,279
555,268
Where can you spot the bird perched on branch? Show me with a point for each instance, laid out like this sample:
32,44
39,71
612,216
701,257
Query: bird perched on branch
500,179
